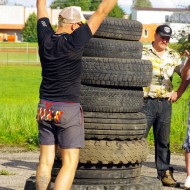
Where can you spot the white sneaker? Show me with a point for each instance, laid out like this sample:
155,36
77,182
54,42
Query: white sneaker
187,183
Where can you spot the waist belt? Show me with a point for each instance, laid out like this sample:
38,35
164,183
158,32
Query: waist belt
157,99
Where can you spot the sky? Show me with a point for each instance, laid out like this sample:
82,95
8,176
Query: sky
125,4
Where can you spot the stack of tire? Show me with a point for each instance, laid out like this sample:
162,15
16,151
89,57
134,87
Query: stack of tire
112,97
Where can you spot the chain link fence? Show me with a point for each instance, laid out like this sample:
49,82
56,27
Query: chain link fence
19,55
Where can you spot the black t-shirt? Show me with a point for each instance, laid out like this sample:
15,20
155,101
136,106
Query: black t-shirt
60,57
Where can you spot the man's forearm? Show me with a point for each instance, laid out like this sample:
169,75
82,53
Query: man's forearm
40,3
184,84
103,10
41,9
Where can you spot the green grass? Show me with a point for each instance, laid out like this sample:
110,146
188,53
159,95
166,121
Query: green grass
5,172
17,58
19,97
17,44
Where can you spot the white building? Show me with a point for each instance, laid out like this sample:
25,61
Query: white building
178,19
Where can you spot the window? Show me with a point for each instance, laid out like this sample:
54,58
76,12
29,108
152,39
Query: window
167,18
145,33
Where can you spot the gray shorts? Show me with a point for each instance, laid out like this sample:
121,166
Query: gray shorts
60,123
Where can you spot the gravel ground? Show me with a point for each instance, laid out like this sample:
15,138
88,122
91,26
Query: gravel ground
20,164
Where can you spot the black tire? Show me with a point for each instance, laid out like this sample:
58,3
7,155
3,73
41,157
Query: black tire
95,99
104,171
122,29
117,126
115,118
114,152
30,184
105,181
99,47
114,134
143,183
123,173
116,72
118,28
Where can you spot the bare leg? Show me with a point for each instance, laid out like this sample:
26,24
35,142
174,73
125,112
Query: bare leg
70,158
187,162
43,174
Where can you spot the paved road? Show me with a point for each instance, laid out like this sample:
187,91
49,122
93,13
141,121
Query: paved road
178,162
20,165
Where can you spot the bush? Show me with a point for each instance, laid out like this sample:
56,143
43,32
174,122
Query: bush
29,33
180,46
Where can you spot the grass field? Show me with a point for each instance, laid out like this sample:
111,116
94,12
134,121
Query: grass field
17,44
19,97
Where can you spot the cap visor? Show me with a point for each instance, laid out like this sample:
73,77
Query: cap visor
165,35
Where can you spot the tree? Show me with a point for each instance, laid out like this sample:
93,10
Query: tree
142,3
66,3
117,11
87,5
29,33
94,5
183,38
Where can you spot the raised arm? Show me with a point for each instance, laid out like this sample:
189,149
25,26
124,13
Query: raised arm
41,9
185,70
103,10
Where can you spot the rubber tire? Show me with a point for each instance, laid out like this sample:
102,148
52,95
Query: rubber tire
111,100
114,134
30,184
115,118
105,181
99,47
114,126
116,72
118,28
105,172
143,183
114,152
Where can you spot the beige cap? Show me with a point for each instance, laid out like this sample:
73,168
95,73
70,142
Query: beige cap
72,14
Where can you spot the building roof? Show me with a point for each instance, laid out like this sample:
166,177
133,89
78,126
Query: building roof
12,26
163,9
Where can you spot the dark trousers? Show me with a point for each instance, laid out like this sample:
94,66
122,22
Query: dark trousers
158,114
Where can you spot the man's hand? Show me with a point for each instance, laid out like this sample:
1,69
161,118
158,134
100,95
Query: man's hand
174,97
187,53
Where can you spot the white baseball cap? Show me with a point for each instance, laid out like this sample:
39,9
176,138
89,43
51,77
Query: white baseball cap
72,14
